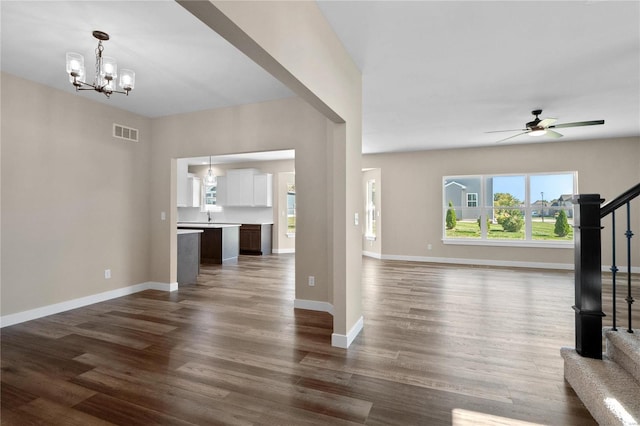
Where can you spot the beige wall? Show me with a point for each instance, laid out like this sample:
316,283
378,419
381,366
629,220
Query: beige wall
412,192
324,75
75,200
283,124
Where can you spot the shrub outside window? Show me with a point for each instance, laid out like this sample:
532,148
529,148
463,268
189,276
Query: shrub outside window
532,207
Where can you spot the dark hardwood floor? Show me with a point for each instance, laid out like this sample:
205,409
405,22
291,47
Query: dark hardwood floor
441,345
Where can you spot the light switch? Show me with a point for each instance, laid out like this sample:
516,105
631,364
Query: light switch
163,216
355,219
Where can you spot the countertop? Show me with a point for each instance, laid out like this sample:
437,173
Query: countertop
207,225
204,224
189,231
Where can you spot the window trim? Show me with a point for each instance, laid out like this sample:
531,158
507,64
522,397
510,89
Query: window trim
370,212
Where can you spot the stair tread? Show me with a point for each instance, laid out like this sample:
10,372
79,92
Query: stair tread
609,392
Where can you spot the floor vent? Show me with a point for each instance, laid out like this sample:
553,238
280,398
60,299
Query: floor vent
122,132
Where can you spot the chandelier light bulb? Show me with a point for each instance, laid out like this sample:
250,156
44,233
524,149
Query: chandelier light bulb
127,79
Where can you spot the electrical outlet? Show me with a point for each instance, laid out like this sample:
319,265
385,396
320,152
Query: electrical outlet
107,274
356,219
163,216
312,280
429,246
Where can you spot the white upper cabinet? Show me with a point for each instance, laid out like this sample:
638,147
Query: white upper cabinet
262,190
247,188
187,186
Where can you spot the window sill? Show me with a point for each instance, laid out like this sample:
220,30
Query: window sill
507,243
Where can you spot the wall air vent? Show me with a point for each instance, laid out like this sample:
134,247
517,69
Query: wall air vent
123,132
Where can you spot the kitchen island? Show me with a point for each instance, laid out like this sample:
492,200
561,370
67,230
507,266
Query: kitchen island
220,242
188,255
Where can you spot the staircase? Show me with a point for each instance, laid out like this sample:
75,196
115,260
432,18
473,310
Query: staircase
610,387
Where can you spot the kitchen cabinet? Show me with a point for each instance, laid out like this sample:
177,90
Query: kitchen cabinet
247,188
262,190
188,255
218,242
187,186
240,187
255,239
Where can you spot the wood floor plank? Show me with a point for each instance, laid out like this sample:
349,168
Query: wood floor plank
441,345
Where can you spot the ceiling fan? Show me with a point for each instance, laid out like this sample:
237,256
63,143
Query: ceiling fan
540,127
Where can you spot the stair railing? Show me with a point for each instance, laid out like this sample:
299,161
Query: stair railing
588,214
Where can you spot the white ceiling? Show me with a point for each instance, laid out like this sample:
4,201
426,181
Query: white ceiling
435,74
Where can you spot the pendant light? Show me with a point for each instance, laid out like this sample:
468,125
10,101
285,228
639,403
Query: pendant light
210,179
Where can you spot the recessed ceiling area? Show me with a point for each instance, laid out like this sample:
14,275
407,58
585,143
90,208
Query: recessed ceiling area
435,74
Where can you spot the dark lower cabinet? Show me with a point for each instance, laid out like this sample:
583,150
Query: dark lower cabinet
255,239
218,245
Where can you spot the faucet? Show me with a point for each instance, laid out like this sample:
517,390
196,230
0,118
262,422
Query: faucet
209,216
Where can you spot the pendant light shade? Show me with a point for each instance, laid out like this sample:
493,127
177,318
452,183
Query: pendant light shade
210,179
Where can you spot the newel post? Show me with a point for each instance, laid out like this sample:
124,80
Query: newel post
588,275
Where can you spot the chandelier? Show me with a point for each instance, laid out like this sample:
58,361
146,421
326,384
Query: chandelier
106,73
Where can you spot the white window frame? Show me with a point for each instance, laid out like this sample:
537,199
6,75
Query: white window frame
291,234
485,208
474,201
370,211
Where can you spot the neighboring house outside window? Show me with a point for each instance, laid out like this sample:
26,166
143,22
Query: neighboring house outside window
518,209
370,227
291,209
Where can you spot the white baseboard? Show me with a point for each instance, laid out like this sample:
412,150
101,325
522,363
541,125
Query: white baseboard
31,314
343,341
480,262
372,254
153,285
313,305
282,251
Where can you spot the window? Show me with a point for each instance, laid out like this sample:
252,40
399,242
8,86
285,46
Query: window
210,197
472,199
370,228
291,209
525,209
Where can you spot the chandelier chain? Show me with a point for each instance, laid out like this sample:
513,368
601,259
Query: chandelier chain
99,50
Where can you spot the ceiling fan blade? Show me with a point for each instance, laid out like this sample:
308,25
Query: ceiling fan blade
501,131
510,137
577,124
553,134
547,122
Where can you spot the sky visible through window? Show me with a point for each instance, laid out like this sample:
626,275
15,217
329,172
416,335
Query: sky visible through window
553,186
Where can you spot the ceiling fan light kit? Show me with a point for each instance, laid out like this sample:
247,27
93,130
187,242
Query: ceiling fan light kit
539,127
106,71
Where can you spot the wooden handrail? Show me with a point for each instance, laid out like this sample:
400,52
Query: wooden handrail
620,200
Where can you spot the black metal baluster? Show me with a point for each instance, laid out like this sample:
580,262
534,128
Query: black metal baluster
629,234
614,267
